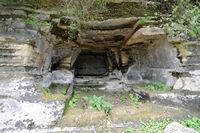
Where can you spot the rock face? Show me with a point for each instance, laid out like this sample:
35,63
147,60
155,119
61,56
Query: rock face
184,99
58,77
188,83
175,127
23,49
22,105
141,53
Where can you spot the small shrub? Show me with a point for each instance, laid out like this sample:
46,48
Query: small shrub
184,19
83,9
157,86
35,22
134,99
47,91
129,130
144,20
192,123
98,102
123,99
153,126
72,30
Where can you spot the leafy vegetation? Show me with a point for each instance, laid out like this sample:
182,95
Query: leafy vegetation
83,9
192,123
156,86
134,99
55,91
129,130
98,102
73,101
72,30
185,20
144,19
33,21
153,126
123,99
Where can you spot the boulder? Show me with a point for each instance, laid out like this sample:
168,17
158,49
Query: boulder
57,77
175,127
62,77
184,99
21,103
188,83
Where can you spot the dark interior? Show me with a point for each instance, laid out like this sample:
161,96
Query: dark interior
91,64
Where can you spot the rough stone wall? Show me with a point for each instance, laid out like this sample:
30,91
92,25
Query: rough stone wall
23,49
141,53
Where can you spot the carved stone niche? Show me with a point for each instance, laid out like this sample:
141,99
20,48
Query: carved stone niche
91,62
140,53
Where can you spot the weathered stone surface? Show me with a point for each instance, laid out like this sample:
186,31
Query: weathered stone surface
188,54
159,75
57,77
47,80
62,77
109,24
146,35
116,74
96,38
19,24
133,74
43,17
22,47
188,83
19,13
22,105
115,85
175,127
185,99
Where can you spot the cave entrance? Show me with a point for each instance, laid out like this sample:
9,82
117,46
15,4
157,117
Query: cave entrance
91,64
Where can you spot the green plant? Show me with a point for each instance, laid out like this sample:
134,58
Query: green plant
83,9
7,2
35,22
157,86
75,98
192,123
123,99
153,126
98,102
134,99
47,91
129,130
72,30
144,19
185,19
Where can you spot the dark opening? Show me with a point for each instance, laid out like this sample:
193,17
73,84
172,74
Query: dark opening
55,66
91,64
